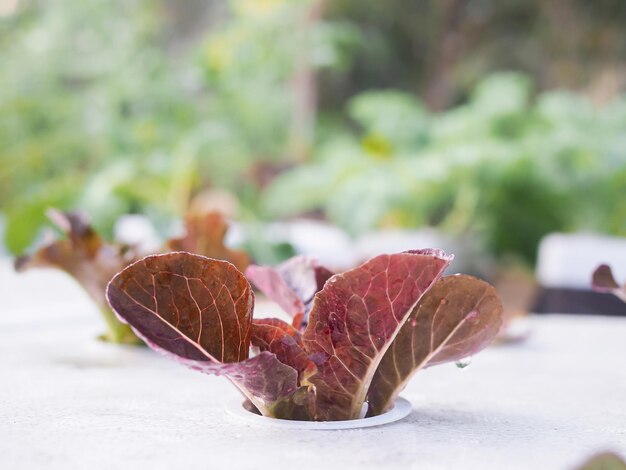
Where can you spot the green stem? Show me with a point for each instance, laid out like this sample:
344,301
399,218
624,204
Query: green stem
119,332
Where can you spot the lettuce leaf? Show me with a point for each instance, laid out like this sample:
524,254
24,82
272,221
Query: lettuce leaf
355,318
199,310
291,285
456,318
204,235
282,339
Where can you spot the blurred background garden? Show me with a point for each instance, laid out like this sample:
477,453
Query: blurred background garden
481,124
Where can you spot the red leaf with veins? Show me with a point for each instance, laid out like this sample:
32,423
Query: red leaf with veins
282,339
291,284
200,310
354,319
456,318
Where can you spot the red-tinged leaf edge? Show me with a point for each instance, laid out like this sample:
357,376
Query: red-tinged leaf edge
353,321
198,310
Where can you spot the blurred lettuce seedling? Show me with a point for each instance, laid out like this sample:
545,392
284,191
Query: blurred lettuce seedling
87,258
92,262
603,281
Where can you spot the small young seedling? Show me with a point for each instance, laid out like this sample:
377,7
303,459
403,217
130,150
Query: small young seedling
356,338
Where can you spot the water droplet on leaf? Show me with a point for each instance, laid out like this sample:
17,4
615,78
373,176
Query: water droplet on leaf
364,409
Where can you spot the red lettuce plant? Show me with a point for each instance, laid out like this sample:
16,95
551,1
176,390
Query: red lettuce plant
357,336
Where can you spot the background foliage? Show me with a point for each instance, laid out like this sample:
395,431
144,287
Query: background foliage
370,114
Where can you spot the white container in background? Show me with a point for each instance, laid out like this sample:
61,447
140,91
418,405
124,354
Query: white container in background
568,260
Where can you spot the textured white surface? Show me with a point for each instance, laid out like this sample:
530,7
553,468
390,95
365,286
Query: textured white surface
68,401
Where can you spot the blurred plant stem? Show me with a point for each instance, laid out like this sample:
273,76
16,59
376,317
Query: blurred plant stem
183,179
448,49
